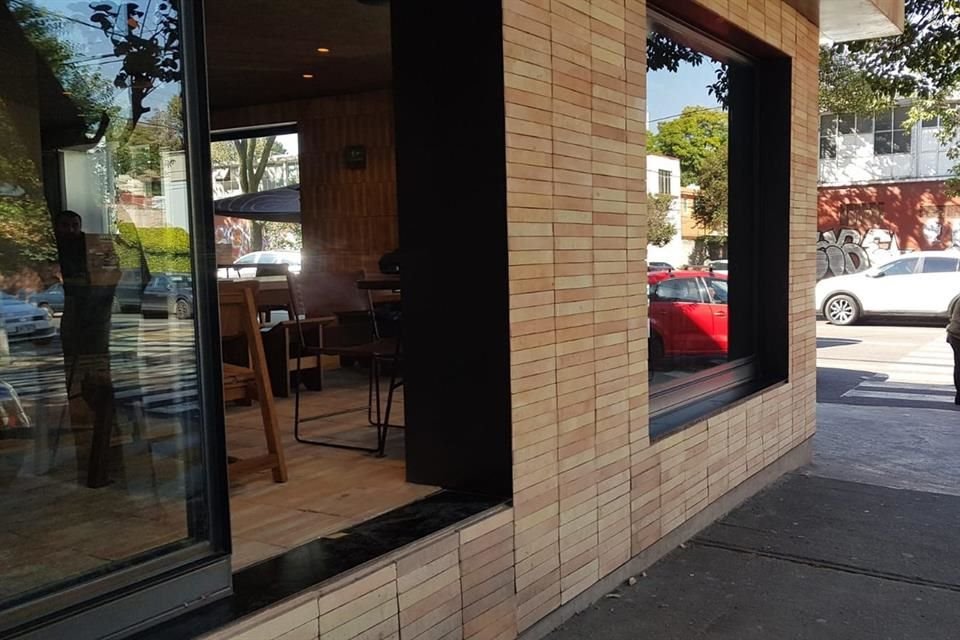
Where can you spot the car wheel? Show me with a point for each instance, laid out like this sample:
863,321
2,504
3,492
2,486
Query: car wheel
841,310
182,310
656,352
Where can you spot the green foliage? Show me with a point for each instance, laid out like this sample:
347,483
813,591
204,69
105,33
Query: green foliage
710,206
923,63
660,230
691,137
166,248
26,231
88,89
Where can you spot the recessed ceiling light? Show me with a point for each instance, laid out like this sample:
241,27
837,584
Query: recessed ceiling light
307,76
323,50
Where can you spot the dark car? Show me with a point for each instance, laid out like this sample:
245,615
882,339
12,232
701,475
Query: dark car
50,299
168,294
129,292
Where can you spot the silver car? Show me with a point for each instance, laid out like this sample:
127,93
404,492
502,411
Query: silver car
23,321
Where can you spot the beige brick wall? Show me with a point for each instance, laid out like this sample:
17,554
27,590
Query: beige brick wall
590,489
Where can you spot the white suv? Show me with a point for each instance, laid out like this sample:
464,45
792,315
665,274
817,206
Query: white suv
924,283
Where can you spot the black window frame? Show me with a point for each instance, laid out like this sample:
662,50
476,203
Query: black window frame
664,176
760,103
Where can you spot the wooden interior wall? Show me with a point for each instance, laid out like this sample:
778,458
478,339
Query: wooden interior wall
349,215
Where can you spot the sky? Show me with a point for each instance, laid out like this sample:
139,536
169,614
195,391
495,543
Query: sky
290,142
668,93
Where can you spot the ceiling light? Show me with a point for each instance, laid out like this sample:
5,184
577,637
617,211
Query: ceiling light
307,76
323,50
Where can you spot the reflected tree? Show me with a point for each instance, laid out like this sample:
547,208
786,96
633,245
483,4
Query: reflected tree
147,45
660,230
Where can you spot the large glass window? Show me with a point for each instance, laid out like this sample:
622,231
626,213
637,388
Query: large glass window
710,338
101,445
892,134
254,162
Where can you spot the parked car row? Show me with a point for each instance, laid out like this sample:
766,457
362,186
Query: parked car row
167,294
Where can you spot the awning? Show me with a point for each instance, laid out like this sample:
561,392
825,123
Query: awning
272,205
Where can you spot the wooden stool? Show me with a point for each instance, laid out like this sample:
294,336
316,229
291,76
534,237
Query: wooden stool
238,317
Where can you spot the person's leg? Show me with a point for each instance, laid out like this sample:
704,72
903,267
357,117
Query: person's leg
955,345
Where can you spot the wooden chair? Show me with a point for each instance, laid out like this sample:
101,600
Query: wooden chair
238,317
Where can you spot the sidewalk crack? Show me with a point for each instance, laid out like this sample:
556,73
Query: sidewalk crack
827,564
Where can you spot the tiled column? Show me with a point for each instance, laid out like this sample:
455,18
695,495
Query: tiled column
573,241
530,201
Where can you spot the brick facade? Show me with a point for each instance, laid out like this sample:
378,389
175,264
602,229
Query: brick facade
590,488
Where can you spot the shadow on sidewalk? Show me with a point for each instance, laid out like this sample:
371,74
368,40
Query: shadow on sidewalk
808,558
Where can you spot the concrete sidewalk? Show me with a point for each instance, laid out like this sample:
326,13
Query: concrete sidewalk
810,557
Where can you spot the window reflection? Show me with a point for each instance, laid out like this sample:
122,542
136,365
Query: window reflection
688,313
98,399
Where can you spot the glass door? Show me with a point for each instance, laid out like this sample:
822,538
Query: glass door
105,401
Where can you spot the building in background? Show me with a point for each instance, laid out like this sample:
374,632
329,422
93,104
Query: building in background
663,178
882,190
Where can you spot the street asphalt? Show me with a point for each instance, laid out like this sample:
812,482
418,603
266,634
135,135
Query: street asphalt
861,544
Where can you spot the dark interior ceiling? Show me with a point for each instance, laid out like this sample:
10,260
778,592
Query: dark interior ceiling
258,50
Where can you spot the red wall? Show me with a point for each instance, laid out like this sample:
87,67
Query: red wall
864,225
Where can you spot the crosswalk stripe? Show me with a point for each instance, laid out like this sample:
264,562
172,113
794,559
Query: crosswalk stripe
893,395
923,375
906,386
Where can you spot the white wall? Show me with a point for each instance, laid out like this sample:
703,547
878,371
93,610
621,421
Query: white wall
857,163
675,252
173,169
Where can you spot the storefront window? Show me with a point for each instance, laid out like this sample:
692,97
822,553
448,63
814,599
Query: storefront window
709,333
100,412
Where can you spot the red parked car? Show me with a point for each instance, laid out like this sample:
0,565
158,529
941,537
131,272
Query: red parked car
688,314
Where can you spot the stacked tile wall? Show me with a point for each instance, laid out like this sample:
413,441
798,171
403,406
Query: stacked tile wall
591,489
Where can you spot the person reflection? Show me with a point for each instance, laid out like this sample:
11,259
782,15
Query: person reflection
90,270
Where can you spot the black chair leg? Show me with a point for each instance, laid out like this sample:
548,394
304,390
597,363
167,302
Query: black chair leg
394,384
319,443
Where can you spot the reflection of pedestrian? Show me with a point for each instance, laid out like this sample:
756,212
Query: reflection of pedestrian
953,337
90,272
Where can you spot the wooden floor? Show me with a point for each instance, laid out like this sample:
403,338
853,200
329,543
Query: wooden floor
328,489
53,529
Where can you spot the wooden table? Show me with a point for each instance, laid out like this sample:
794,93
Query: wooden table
273,292
379,283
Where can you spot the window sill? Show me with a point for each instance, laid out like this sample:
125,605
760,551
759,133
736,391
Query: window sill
676,420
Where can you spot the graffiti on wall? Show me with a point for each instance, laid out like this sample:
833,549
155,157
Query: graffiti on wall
846,251
941,233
